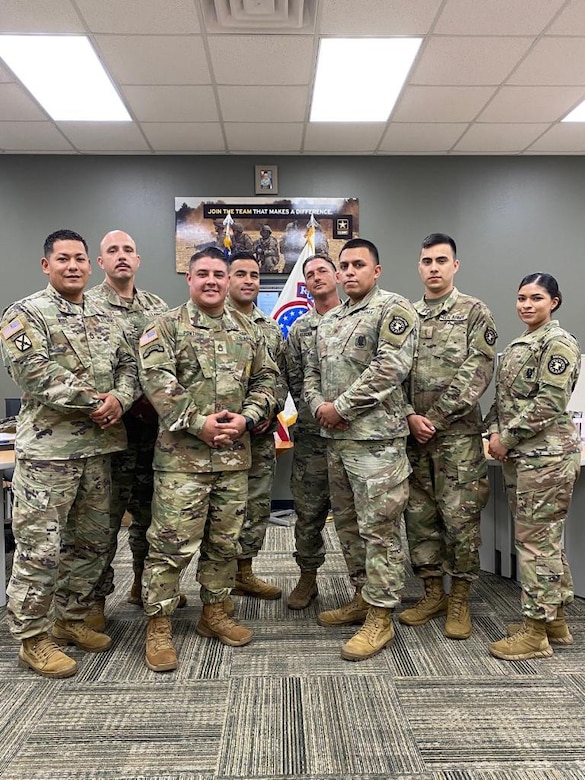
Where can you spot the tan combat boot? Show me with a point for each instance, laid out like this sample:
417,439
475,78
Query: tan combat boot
248,584
458,623
432,605
135,595
530,642
304,591
44,657
557,630
373,636
215,623
96,617
78,633
229,607
354,611
161,655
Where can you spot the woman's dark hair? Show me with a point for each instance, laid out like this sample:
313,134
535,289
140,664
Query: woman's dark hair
547,282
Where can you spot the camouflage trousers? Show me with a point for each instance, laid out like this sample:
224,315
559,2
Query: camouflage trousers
260,478
193,512
448,490
369,491
539,492
309,485
60,518
132,486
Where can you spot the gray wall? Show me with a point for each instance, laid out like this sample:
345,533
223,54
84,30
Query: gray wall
509,216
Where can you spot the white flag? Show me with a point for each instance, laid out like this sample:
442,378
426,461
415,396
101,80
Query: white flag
294,300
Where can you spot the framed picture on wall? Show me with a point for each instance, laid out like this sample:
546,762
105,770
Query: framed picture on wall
266,179
275,230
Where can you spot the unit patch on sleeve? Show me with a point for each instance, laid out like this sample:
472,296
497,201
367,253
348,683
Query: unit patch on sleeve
490,336
397,325
558,364
22,342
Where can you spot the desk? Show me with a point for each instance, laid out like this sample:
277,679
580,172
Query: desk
6,462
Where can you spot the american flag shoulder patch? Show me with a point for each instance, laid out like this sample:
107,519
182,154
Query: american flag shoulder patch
149,336
12,329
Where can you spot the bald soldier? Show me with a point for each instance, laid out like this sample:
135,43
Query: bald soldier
132,476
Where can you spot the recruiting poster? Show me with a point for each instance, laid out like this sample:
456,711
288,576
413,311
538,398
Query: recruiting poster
273,229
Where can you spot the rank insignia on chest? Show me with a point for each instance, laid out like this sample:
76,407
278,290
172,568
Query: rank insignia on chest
426,332
148,337
220,348
558,364
360,341
397,325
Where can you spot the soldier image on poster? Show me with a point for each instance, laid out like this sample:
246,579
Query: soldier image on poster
266,250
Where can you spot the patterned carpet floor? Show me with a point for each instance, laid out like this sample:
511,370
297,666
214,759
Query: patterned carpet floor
287,707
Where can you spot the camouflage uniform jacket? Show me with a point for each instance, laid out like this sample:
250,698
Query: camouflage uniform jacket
362,356
534,381
275,345
134,315
299,343
192,365
61,354
453,364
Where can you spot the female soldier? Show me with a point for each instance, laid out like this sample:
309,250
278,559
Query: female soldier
532,435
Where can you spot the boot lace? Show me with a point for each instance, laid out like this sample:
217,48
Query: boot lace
45,648
160,635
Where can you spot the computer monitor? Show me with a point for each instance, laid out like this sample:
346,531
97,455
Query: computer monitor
268,296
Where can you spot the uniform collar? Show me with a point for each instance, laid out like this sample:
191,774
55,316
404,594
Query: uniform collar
423,307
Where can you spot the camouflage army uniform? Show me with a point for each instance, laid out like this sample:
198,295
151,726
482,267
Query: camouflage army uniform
266,253
363,354
132,478
534,381
261,473
452,368
309,482
192,365
61,354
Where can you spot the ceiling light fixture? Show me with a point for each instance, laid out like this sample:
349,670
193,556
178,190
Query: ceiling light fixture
577,114
359,79
65,76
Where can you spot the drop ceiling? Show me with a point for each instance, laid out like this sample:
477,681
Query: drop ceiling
235,76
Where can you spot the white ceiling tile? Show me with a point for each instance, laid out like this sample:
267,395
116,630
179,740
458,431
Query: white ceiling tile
5,76
433,137
263,104
441,104
379,17
570,21
138,17
566,138
269,136
39,16
505,138
32,136
270,59
343,136
16,103
553,61
197,137
156,59
172,104
531,104
468,60
496,17
104,136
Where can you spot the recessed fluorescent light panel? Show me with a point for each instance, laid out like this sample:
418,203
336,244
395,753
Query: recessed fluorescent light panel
65,75
577,114
359,79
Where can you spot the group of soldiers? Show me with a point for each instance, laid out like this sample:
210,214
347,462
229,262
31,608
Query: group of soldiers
169,415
